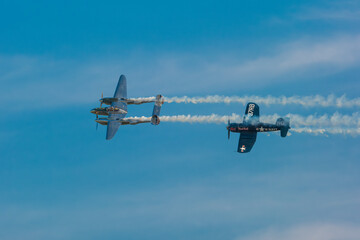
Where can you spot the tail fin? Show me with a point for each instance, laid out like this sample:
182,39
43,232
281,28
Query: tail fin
155,120
284,124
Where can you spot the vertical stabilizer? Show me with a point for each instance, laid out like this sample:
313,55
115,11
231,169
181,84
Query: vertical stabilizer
284,124
155,120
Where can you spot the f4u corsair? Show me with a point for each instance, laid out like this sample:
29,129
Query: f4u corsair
118,109
251,125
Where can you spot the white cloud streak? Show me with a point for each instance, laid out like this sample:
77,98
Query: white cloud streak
315,231
334,15
44,82
332,11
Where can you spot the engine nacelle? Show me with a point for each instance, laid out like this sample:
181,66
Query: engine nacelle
155,120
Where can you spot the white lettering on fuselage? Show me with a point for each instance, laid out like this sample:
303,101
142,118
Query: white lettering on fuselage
251,109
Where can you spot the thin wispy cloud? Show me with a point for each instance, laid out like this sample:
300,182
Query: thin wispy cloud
44,82
313,231
227,199
296,57
334,11
330,15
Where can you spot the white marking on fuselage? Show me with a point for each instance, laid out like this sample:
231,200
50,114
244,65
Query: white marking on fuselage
251,109
243,148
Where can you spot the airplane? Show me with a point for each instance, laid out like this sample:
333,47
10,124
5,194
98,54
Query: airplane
251,125
118,109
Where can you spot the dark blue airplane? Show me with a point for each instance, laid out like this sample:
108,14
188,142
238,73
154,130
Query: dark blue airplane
251,125
118,109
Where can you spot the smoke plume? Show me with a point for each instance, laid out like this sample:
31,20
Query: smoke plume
306,101
296,120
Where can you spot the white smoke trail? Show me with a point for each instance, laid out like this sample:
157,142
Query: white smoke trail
312,124
324,131
306,101
145,99
213,118
325,120
296,120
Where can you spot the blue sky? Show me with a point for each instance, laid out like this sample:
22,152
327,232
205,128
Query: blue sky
60,179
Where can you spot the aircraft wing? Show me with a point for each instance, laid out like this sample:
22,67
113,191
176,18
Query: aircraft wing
120,93
252,113
246,141
113,120
112,127
113,124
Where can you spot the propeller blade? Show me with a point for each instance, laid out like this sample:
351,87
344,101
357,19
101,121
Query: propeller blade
101,101
97,124
229,128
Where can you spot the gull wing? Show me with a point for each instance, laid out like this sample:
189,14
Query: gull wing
252,113
246,141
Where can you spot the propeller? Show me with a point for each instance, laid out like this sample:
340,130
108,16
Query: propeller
228,128
101,101
97,116
97,124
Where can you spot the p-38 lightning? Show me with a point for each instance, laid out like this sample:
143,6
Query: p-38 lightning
117,110
251,125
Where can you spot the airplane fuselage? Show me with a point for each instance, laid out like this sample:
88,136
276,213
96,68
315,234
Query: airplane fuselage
129,101
256,127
